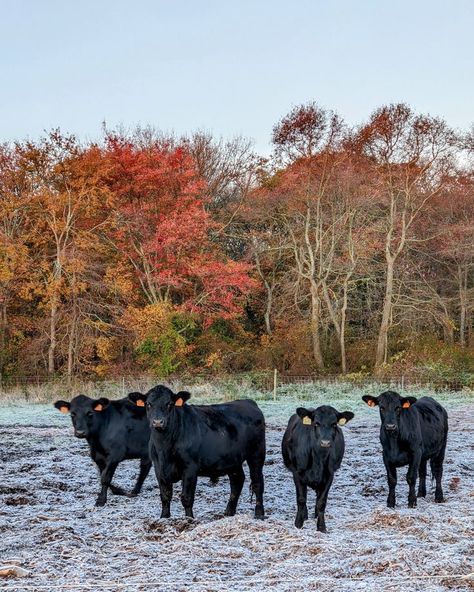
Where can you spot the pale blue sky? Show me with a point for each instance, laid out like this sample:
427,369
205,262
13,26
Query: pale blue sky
230,67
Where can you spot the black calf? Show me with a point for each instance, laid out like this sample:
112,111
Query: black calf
313,447
115,431
412,432
188,441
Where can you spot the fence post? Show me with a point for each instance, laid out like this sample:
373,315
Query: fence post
275,383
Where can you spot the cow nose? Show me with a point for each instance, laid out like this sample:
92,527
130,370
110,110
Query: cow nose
158,423
80,434
390,427
325,443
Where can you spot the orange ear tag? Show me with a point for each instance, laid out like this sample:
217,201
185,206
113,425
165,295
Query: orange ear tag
307,420
179,402
64,409
370,403
99,407
406,405
140,403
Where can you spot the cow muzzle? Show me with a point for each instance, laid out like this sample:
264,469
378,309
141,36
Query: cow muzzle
325,443
158,424
390,427
79,434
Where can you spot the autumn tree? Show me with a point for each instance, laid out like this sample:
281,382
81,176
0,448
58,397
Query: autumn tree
412,156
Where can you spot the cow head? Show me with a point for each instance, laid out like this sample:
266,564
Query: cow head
160,403
324,422
391,405
85,414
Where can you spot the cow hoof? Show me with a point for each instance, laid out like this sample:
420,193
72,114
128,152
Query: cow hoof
165,515
229,512
322,529
299,523
390,504
99,503
259,515
412,504
440,500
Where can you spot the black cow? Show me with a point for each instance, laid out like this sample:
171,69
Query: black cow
189,441
115,431
412,432
313,447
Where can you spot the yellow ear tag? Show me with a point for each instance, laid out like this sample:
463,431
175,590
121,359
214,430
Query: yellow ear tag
64,409
140,403
342,421
179,402
99,407
370,403
307,420
406,405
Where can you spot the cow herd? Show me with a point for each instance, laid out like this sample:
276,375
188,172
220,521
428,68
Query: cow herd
184,442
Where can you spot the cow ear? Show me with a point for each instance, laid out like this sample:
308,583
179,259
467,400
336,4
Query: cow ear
100,404
344,417
371,401
305,415
407,402
139,399
181,398
63,406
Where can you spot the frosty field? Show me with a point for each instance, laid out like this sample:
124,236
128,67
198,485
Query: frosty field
49,525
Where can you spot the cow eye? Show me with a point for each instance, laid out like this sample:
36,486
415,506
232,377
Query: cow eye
73,414
382,408
334,425
317,424
89,414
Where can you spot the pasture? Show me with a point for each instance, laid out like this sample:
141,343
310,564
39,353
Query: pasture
50,527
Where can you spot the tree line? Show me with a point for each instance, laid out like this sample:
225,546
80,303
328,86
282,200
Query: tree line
349,250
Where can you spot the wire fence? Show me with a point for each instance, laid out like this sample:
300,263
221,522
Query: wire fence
265,381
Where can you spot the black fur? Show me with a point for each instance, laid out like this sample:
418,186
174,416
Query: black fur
313,452
189,441
115,431
411,436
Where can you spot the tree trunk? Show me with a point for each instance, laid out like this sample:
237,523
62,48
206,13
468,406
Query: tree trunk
462,281
52,334
342,332
268,311
72,334
315,314
3,337
381,353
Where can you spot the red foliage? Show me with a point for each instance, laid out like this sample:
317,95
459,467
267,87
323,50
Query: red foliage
165,232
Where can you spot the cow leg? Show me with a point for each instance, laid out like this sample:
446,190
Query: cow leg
392,483
106,479
437,471
322,498
188,492
422,476
166,494
301,498
413,469
256,479
236,479
145,466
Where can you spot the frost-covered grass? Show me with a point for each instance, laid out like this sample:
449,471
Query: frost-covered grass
49,525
